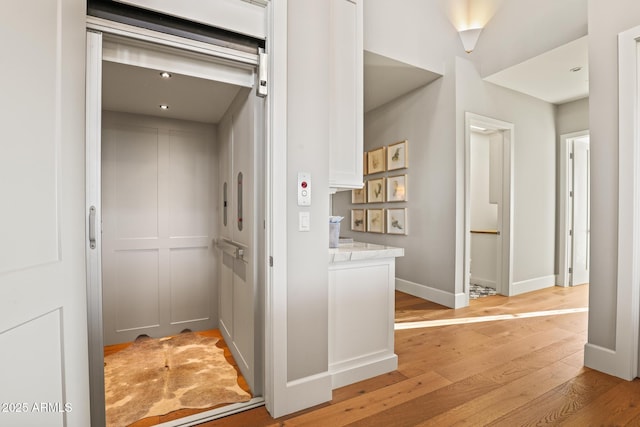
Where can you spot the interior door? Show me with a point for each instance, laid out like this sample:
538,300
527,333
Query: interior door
43,323
496,176
238,244
580,212
156,252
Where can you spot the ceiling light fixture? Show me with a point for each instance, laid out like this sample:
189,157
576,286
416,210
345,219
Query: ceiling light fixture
165,75
164,106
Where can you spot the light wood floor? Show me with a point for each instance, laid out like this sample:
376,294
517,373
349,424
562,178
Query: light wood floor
520,372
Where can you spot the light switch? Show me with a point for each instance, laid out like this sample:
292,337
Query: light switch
304,223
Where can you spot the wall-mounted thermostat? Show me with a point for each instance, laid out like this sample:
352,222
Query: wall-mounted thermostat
304,189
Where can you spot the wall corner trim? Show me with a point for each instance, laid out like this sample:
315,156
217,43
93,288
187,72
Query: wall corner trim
608,361
428,293
304,393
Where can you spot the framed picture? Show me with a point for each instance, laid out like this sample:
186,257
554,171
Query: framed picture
376,160
375,190
358,219
398,156
397,188
365,169
359,195
397,221
375,220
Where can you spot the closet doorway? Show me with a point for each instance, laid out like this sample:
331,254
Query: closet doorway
174,173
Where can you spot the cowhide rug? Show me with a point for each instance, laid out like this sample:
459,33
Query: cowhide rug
157,376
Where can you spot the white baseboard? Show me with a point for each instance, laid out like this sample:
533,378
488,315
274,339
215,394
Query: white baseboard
307,392
533,284
438,296
607,361
362,368
483,282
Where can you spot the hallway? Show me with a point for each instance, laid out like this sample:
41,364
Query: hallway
525,371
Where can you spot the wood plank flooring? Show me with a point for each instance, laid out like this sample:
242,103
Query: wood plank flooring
526,371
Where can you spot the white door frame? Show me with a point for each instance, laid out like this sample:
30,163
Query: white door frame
93,183
564,207
504,274
622,361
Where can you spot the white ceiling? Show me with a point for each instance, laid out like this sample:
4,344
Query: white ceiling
139,90
386,79
548,76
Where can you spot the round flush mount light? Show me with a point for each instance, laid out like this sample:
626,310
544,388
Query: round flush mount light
575,69
165,75
163,106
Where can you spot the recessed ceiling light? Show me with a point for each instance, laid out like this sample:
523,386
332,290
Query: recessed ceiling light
575,69
165,75
164,106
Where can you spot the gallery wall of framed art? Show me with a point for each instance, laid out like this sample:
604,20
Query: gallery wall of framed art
378,206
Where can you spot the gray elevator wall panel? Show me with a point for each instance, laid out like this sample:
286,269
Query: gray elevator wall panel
190,287
136,289
135,181
188,184
166,186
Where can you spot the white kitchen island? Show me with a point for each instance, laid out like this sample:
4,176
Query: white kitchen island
361,311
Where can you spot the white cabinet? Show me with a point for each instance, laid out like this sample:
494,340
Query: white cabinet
361,312
346,102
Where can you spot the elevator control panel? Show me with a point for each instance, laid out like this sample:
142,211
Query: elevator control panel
304,189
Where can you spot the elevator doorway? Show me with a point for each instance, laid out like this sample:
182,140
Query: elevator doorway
171,130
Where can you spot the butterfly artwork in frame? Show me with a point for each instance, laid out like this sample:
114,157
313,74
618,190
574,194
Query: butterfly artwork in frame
398,155
375,220
359,195
376,161
358,219
397,188
376,190
397,221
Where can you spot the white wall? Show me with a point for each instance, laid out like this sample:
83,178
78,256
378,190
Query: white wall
423,117
522,29
572,117
308,151
605,22
534,169
415,32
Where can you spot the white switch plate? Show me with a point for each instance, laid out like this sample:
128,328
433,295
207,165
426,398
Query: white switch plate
304,221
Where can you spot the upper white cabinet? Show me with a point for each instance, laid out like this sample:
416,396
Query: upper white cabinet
346,107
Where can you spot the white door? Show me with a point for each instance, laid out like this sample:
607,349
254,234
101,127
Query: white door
43,323
238,162
580,236
157,261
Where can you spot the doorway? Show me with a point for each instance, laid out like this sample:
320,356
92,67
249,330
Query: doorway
488,205
574,238
155,182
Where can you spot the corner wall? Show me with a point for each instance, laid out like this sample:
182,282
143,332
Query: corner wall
308,151
605,22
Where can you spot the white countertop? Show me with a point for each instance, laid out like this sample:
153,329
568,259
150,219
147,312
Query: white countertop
358,251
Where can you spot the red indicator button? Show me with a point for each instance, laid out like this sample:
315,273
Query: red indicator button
303,184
